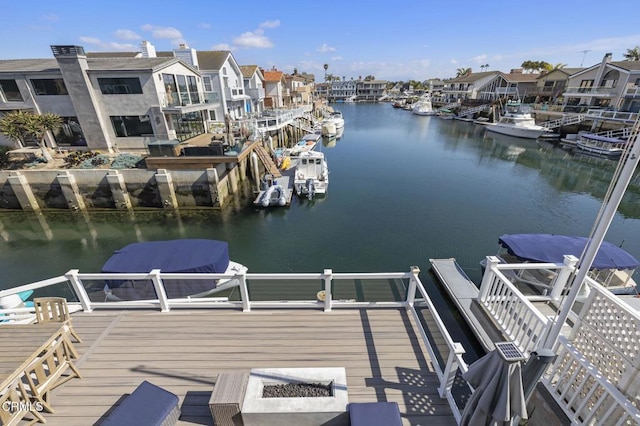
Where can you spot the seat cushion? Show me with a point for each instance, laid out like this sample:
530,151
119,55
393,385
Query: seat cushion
147,405
374,414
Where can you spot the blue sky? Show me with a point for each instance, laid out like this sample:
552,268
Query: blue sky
392,40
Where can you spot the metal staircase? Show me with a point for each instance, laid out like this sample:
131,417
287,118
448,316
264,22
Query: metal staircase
566,120
471,111
264,156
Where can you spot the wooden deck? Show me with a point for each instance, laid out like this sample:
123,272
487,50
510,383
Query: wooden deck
185,350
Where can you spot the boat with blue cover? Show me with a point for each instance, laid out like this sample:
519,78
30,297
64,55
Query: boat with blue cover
184,256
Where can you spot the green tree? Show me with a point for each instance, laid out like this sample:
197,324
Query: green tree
370,78
20,125
632,54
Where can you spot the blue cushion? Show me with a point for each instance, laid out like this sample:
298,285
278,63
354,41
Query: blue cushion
147,405
374,414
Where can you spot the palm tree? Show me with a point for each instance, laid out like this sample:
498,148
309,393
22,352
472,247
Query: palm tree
463,71
12,126
558,66
35,125
632,54
326,67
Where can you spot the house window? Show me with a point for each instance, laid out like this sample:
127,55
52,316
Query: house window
131,125
206,80
49,86
585,86
193,89
120,86
70,133
10,91
170,88
212,115
182,87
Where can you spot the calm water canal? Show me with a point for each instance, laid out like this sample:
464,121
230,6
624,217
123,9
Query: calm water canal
403,189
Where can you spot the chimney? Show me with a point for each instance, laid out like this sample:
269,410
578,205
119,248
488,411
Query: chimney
148,49
187,54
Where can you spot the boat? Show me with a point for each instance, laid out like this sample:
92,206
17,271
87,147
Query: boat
274,192
329,128
423,106
307,143
517,121
184,256
601,145
336,118
613,266
446,114
311,174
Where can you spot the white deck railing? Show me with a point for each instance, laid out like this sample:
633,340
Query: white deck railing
596,376
416,295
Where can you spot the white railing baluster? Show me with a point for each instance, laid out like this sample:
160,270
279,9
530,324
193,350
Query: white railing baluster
79,289
244,292
159,287
328,276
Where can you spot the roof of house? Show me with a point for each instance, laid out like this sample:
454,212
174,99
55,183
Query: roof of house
95,64
272,76
248,70
518,77
212,59
474,76
627,65
113,54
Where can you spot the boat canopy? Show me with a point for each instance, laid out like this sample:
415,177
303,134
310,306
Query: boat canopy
552,248
174,256
600,138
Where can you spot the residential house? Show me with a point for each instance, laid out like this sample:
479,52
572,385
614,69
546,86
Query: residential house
481,85
221,74
274,85
321,90
517,85
254,87
297,91
342,90
108,102
609,84
550,85
371,90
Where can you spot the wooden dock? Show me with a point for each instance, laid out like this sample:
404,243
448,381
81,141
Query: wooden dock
464,294
184,350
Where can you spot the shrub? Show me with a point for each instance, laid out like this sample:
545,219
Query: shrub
95,161
126,161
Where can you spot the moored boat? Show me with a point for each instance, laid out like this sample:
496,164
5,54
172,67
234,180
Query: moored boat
311,174
601,145
423,106
517,121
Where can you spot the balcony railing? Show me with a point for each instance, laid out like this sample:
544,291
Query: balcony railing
211,97
632,92
257,93
590,91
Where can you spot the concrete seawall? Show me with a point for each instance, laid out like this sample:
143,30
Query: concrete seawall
78,189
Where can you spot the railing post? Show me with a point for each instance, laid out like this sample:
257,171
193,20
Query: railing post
328,277
411,291
449,373
159,287
492,262
244,292
78,287
560,284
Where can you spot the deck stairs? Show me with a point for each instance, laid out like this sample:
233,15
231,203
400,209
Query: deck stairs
566,120
451,105
269,165
471,111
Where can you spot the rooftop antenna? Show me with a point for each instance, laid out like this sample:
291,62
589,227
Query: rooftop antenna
584,55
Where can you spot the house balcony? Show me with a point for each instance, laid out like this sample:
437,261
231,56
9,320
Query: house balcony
633,91
211,98
257,93
179,105
603,92
506,91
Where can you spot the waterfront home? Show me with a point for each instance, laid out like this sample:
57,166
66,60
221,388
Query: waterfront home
274,85
107,102
551,85
297,90
469,86
371,90
609,84
254,87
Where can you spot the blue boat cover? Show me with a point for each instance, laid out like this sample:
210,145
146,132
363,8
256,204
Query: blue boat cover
552,248
603,138
174,256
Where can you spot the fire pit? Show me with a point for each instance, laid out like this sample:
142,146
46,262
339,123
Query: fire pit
300,396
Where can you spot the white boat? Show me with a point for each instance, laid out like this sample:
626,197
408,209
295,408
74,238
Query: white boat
423,106
307,143
613,267
274,192
311,174
329,128
601,145
336,118
183,256
517,121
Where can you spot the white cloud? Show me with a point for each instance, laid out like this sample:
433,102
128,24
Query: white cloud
253,39
108,45
479,59
270,24
204,25
336,58
454,61
163,32
126,35
221,46
50,17
326,48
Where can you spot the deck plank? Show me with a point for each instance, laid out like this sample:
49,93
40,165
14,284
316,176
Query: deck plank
185,350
